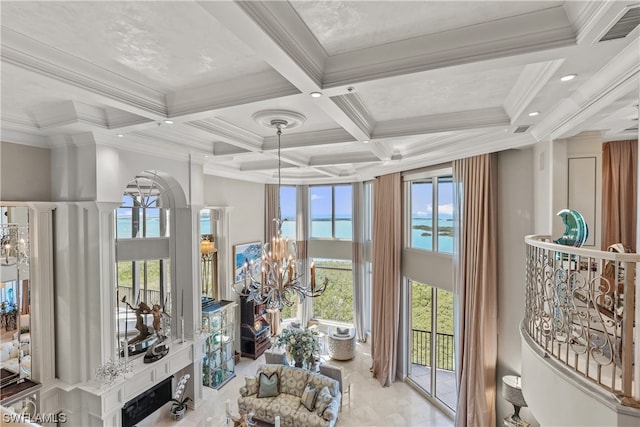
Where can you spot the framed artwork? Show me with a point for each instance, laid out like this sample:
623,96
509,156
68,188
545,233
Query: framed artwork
246,252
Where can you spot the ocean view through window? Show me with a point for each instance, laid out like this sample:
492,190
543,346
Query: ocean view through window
431,202
331,212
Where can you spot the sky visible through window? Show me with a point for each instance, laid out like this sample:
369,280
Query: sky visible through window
422,209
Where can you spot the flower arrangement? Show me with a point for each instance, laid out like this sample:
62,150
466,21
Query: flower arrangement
180,404
301,344
106,374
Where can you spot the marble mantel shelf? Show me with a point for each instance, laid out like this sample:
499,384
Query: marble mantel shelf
105,402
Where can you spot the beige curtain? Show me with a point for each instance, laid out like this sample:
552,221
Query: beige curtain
358,262
24,298
475,285
385,304
619,193
271,204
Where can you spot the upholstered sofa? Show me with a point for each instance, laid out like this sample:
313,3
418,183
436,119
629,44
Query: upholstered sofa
287,403
10,356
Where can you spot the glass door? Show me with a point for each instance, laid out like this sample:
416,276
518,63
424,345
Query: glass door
432,351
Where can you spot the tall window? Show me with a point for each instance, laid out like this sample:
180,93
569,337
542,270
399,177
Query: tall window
331,212
143,270
336,303
432,351
431,204
289,211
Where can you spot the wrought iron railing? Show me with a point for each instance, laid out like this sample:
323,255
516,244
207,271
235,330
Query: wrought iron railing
421,341
580,311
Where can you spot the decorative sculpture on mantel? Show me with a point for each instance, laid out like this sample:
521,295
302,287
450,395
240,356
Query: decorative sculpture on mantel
153,345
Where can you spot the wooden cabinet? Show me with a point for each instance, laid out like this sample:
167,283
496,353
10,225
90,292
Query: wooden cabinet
218,367
254,329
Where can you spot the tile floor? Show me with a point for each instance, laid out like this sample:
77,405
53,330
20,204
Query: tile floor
371,404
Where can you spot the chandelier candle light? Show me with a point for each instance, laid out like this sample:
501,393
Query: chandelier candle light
281,273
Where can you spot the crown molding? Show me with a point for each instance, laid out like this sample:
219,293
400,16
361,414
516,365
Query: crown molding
343,158
229,133
380,150
530,82
592,19
447,122
16,136
259,165
276,33
616,79
114,89
308,139
17,123
356,111
522,34
283,25
202,101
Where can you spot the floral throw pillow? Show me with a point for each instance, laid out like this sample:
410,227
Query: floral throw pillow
269,385
308,398
323,400
251,383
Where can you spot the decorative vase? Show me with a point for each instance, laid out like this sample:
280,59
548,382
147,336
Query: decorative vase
298,361
177,414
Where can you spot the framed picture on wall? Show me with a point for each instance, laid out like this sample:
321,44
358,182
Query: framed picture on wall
246,252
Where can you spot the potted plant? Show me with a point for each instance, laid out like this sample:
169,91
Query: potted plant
179,406
301,344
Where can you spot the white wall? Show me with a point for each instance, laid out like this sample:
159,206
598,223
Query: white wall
245,201
515,220
25,173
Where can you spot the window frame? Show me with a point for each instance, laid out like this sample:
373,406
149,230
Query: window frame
433,177
333,213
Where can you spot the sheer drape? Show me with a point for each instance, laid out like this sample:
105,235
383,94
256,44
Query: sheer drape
619,193
271,201
302,238
475,285
358,261
385,304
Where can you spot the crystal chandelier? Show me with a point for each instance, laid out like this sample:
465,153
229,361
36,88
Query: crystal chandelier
14,248
280,281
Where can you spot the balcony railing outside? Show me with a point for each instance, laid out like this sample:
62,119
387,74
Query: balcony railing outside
580,311
422,349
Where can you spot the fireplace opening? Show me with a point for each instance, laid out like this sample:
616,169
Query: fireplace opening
146,403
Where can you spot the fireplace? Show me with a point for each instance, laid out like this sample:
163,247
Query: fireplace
146,403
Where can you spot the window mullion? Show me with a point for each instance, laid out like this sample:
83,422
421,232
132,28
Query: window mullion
333,212
434,339
435,232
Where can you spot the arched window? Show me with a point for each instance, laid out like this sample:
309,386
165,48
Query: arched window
142,250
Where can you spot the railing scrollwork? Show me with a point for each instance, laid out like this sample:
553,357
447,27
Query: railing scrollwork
580,309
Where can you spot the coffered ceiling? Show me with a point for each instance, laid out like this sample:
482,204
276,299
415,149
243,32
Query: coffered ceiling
404,84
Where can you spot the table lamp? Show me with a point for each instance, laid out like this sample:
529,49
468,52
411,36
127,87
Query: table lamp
512,392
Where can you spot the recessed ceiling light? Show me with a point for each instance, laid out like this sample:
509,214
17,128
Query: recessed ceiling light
120,135
568,77
206,155
366,141
169,122
534,113
316,94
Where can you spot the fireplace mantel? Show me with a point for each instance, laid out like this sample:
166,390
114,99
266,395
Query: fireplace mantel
101,406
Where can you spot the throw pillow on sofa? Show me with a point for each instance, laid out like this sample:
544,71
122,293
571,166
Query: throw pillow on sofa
268,385
342,331
323,400
308,398
251,383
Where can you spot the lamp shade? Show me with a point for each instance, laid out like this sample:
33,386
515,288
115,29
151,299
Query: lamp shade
512,390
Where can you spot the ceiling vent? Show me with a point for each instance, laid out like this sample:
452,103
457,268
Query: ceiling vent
624,26
632,129
522,129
